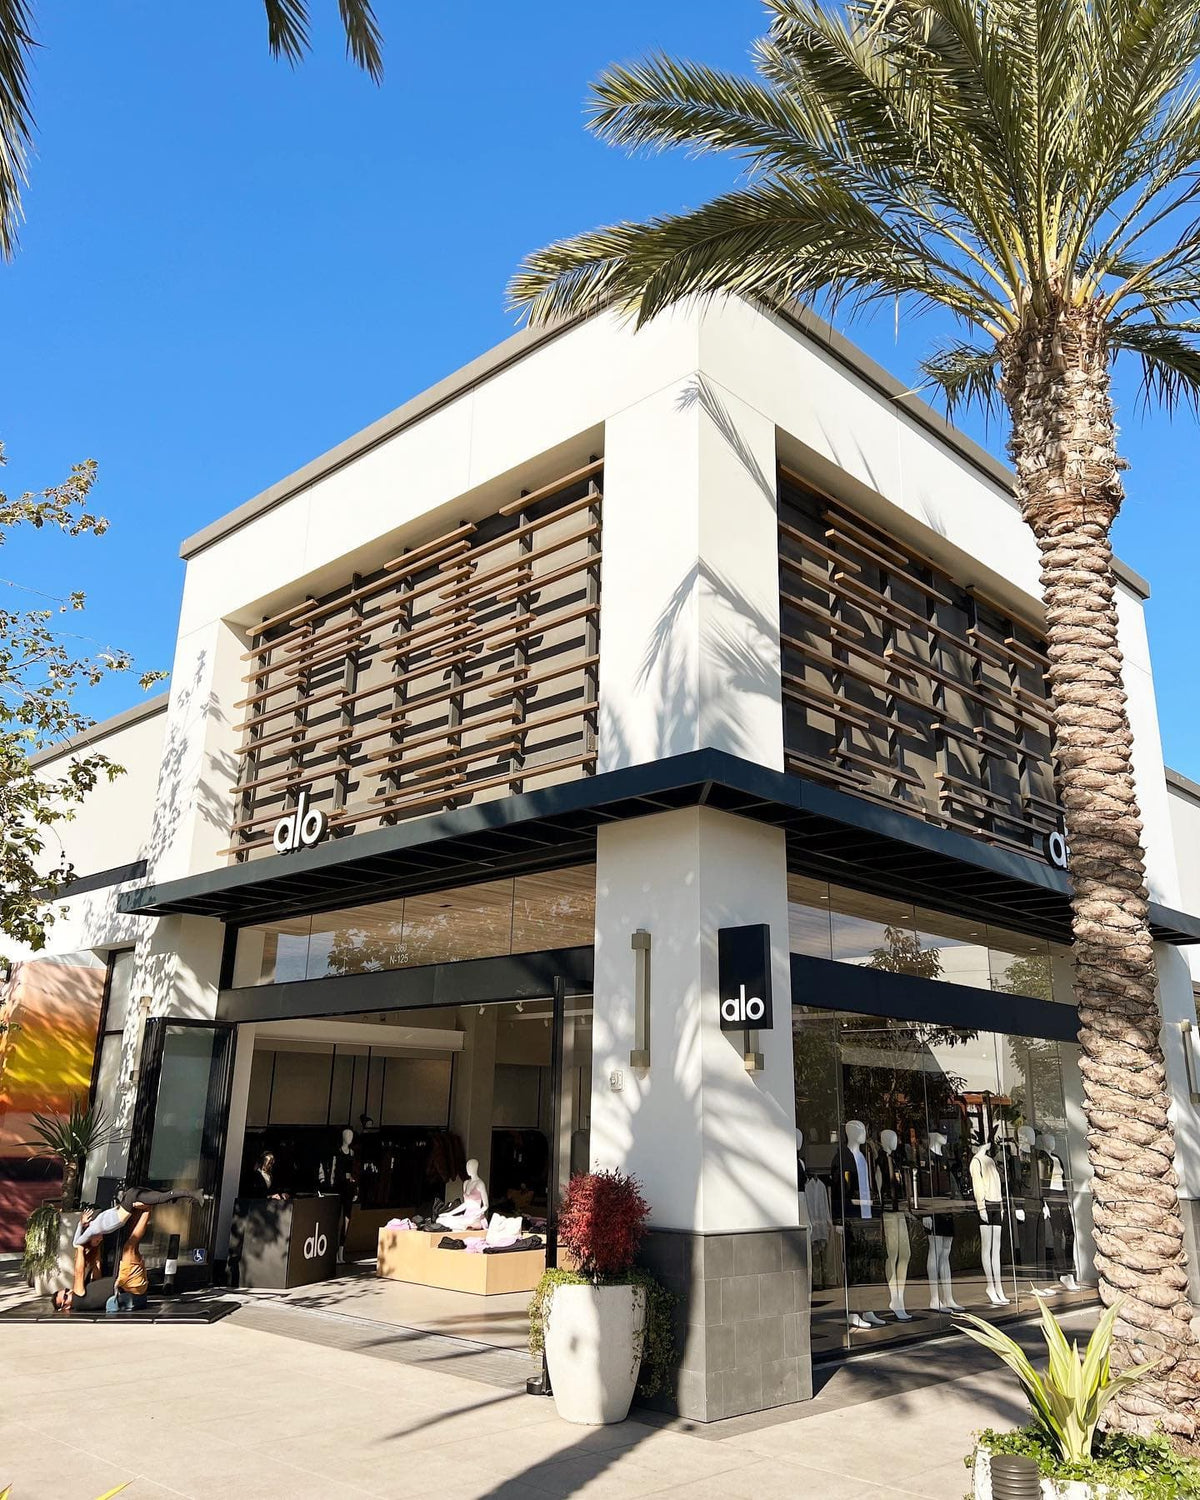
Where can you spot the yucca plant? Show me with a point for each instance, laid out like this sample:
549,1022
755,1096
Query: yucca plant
71,1139
1067,1398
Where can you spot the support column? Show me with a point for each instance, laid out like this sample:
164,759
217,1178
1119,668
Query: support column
472,1112
713,1145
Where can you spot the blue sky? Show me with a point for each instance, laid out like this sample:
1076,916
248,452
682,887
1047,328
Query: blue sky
228,267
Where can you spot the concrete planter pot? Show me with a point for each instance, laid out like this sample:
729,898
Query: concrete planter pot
1052,1489
593,1351
46,1283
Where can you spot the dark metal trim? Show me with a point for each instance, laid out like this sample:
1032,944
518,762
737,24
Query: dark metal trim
830,833
849,987
474,981
117,875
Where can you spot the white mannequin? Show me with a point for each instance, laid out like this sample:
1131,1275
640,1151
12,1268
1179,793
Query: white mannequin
987,1191
472,1212
1057,1184
937,1264
856,1135
896,1241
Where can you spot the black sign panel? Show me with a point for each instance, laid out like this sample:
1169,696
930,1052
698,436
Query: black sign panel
744,976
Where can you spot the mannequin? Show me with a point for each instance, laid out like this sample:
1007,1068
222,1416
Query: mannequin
801,1169
343,1180
940,1228
472,1211
852,1199
1058,1210
987,1190
895,1223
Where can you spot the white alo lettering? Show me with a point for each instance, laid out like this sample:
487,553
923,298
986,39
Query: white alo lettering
301,829
743,1011
1055,846
315,1246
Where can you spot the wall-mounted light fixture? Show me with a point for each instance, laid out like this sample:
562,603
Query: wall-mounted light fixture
640,943
1191,1058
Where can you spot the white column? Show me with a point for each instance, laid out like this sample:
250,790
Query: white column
690,585
713,1145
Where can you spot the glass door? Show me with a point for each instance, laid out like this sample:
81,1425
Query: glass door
178,1138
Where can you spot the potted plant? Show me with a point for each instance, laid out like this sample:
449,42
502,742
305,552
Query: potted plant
39,1264
71,1139
1076,1459
602,1321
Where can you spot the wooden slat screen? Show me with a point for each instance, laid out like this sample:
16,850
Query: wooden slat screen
465,668
901,686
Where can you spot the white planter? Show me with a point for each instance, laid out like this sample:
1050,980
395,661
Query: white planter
63,1274
593,1350
1052,1489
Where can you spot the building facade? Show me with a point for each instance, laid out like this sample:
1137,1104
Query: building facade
635,753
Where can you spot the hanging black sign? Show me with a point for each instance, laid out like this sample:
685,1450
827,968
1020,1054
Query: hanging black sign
744,976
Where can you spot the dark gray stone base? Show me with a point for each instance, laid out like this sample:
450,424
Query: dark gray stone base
742,1319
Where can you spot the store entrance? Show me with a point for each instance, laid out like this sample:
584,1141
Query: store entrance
373,1118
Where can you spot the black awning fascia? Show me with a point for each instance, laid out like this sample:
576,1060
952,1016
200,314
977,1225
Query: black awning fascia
843,837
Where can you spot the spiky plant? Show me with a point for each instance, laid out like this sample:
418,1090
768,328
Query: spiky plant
71,1139
1033,167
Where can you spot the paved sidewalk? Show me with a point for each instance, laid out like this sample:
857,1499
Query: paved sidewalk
236,1411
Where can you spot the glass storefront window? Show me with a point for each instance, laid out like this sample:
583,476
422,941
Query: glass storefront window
875,932
936,1173
485,920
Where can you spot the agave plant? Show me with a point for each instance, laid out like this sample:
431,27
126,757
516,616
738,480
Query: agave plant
1068,1398
71,1138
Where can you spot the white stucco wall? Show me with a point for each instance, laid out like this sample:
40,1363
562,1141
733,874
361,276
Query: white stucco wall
713,1145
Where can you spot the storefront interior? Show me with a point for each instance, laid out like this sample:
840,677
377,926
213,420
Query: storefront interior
938,1161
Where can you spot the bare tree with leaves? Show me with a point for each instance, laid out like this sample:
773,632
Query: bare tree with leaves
1033,166
287,38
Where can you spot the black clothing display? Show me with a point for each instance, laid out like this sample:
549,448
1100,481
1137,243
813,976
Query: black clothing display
943,1224
995,1211
893,1192
1060,1240
845,1189
801,1173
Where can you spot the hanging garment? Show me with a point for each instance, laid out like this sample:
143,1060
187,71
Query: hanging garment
816,1196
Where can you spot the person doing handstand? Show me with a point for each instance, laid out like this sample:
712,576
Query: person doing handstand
90,1292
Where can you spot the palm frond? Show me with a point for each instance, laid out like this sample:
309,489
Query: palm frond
364,40
1170,359
16,121
964,375
776,241
287,29
288,33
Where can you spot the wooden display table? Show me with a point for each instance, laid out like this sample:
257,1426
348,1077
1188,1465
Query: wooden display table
413,1255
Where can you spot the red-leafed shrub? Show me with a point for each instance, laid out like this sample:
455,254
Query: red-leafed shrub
602,1222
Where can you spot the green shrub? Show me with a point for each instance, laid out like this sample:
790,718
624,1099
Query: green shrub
1068,1398
41,1243
1148,1468
657,1350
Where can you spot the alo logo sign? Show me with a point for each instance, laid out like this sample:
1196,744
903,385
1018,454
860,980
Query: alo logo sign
315,1245
744,977
1055,847
743,1012
300,829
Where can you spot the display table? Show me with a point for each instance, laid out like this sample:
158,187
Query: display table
276,1242
413,1255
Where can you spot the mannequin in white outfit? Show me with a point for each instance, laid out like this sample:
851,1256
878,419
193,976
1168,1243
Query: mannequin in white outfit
895,1232
472,1211
860,1194
987,1191
940,1228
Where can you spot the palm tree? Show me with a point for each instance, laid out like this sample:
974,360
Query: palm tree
1033,166
287,37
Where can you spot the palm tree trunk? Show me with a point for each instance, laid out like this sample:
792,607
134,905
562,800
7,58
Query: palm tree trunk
1063,446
